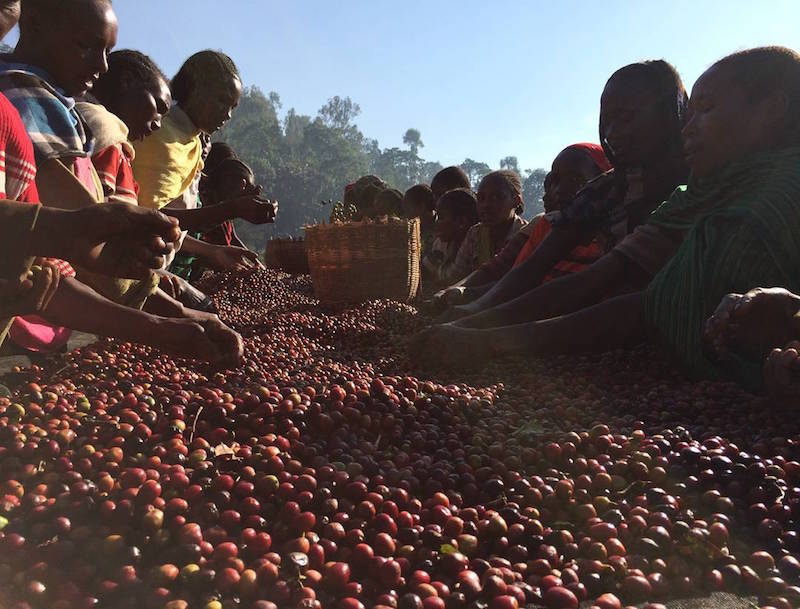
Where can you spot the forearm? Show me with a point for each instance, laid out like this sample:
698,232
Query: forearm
558,297
162,304
612,324
202,217
196,247
77,306
528,275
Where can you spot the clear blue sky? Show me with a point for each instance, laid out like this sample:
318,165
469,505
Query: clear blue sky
480,79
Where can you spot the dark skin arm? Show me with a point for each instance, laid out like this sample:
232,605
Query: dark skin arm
560,296
253,208
554,248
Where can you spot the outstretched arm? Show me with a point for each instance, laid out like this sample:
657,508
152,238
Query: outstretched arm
253,208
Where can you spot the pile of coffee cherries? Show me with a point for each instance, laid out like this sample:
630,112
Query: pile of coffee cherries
328,472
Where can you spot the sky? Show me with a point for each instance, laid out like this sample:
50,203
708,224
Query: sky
479,79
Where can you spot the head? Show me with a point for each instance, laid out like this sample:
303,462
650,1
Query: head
363,193
69,40
208,88
449,178
499,197
571,169
745,103
9,16
456,211
219,151
136,90
642,112
229,179
419,202
389,202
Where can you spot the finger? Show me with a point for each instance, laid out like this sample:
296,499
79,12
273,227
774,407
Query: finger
53,287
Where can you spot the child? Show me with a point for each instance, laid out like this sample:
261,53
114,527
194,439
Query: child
499,208
133,98
449,178
388,202
419,202
456,212
572,168
168,163
362,194
642,110
738,212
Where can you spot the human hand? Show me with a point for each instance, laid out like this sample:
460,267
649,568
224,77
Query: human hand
30,293
254,208
230,258
119,239
782,372
204,338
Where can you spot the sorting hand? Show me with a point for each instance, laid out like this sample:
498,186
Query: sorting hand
30,293
782,372
119,239
761,318
231,258
254,208
206,339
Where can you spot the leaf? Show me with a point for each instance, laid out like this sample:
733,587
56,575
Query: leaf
223,449
448,549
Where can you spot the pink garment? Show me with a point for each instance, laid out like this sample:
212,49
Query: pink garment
31,332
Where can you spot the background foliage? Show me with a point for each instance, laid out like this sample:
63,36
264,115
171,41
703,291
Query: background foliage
304,161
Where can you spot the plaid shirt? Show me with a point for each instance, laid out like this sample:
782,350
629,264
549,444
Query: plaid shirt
51,120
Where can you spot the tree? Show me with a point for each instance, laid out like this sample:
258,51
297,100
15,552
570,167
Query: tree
339,112
510,162
475,171
533,191
413,139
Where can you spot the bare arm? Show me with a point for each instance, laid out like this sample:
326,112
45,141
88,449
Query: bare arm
253,208
554,248
558,297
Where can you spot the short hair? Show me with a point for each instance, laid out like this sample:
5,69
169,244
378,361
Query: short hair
763,70
391,199
450,178
364,191
461,203
661,80
511,181
201,68
144,69
219,152
422,195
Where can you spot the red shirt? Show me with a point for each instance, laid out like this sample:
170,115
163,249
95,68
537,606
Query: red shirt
113,165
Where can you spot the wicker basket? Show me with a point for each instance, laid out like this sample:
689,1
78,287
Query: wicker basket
360,261
288,255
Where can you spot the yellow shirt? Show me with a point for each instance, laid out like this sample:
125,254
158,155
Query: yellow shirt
168,160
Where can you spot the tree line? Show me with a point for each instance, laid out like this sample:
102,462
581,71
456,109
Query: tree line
305,162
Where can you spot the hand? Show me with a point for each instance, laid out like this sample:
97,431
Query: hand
206,339
119,239
229,258
782,372
254,208
30,293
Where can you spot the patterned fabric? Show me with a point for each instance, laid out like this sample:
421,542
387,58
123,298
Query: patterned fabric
168,161
502,262
579,259
50,117
116,175
474,250
743,232
440,260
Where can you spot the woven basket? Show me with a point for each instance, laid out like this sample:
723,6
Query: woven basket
288,255
360,261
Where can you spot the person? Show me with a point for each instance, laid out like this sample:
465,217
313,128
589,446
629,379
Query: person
456,213
168,163
499,208
388,202
449,178
362,195
109,240
642,110
571,169
738,214
127,104
419,202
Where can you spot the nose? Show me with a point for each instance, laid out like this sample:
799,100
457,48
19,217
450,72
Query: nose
101,62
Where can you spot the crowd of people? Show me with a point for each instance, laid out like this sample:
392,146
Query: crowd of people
681,226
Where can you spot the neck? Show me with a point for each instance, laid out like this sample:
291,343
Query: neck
30,53
498,231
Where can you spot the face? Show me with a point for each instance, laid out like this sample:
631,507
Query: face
209,112
74,48
723,124
448,227
632,124
9,15
570,171
231,186
142,108
496,202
